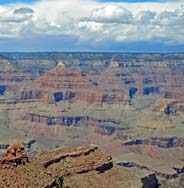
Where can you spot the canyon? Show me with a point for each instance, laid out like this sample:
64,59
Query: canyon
130,105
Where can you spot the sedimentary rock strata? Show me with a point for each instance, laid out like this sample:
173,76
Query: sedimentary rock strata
160,142
123,102
48,168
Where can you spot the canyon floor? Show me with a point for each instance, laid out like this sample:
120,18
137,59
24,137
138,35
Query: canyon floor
129,105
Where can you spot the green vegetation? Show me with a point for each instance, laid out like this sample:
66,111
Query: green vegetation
60,182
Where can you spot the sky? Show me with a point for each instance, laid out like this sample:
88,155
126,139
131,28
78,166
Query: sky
92,25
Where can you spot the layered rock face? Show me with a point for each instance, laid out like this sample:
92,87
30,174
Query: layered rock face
49,169
101,162
61,84
64,84
153,78
68,121
12,80
120,82
160,142
13,156
126,103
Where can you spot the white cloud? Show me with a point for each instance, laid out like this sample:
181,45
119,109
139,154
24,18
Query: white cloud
145,17
94,21
111,14
8,14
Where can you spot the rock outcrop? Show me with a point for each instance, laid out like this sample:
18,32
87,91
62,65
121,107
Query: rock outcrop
174,108
45,170
165,175
150,181
171,142
14,155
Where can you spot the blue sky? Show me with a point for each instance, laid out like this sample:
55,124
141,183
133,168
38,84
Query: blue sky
80,25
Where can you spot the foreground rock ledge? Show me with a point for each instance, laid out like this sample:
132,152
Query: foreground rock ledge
81,167
47,168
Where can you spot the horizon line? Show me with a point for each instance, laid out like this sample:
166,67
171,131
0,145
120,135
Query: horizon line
92,52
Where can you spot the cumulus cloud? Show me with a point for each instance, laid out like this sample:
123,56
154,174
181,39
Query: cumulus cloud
11,17
145,17
111,14
94,22
121,25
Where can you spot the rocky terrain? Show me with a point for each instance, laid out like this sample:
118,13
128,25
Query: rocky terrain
131,105
85,166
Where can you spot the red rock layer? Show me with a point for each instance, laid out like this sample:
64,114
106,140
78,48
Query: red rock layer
14,155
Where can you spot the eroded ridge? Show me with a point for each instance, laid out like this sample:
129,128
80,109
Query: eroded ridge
48,167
